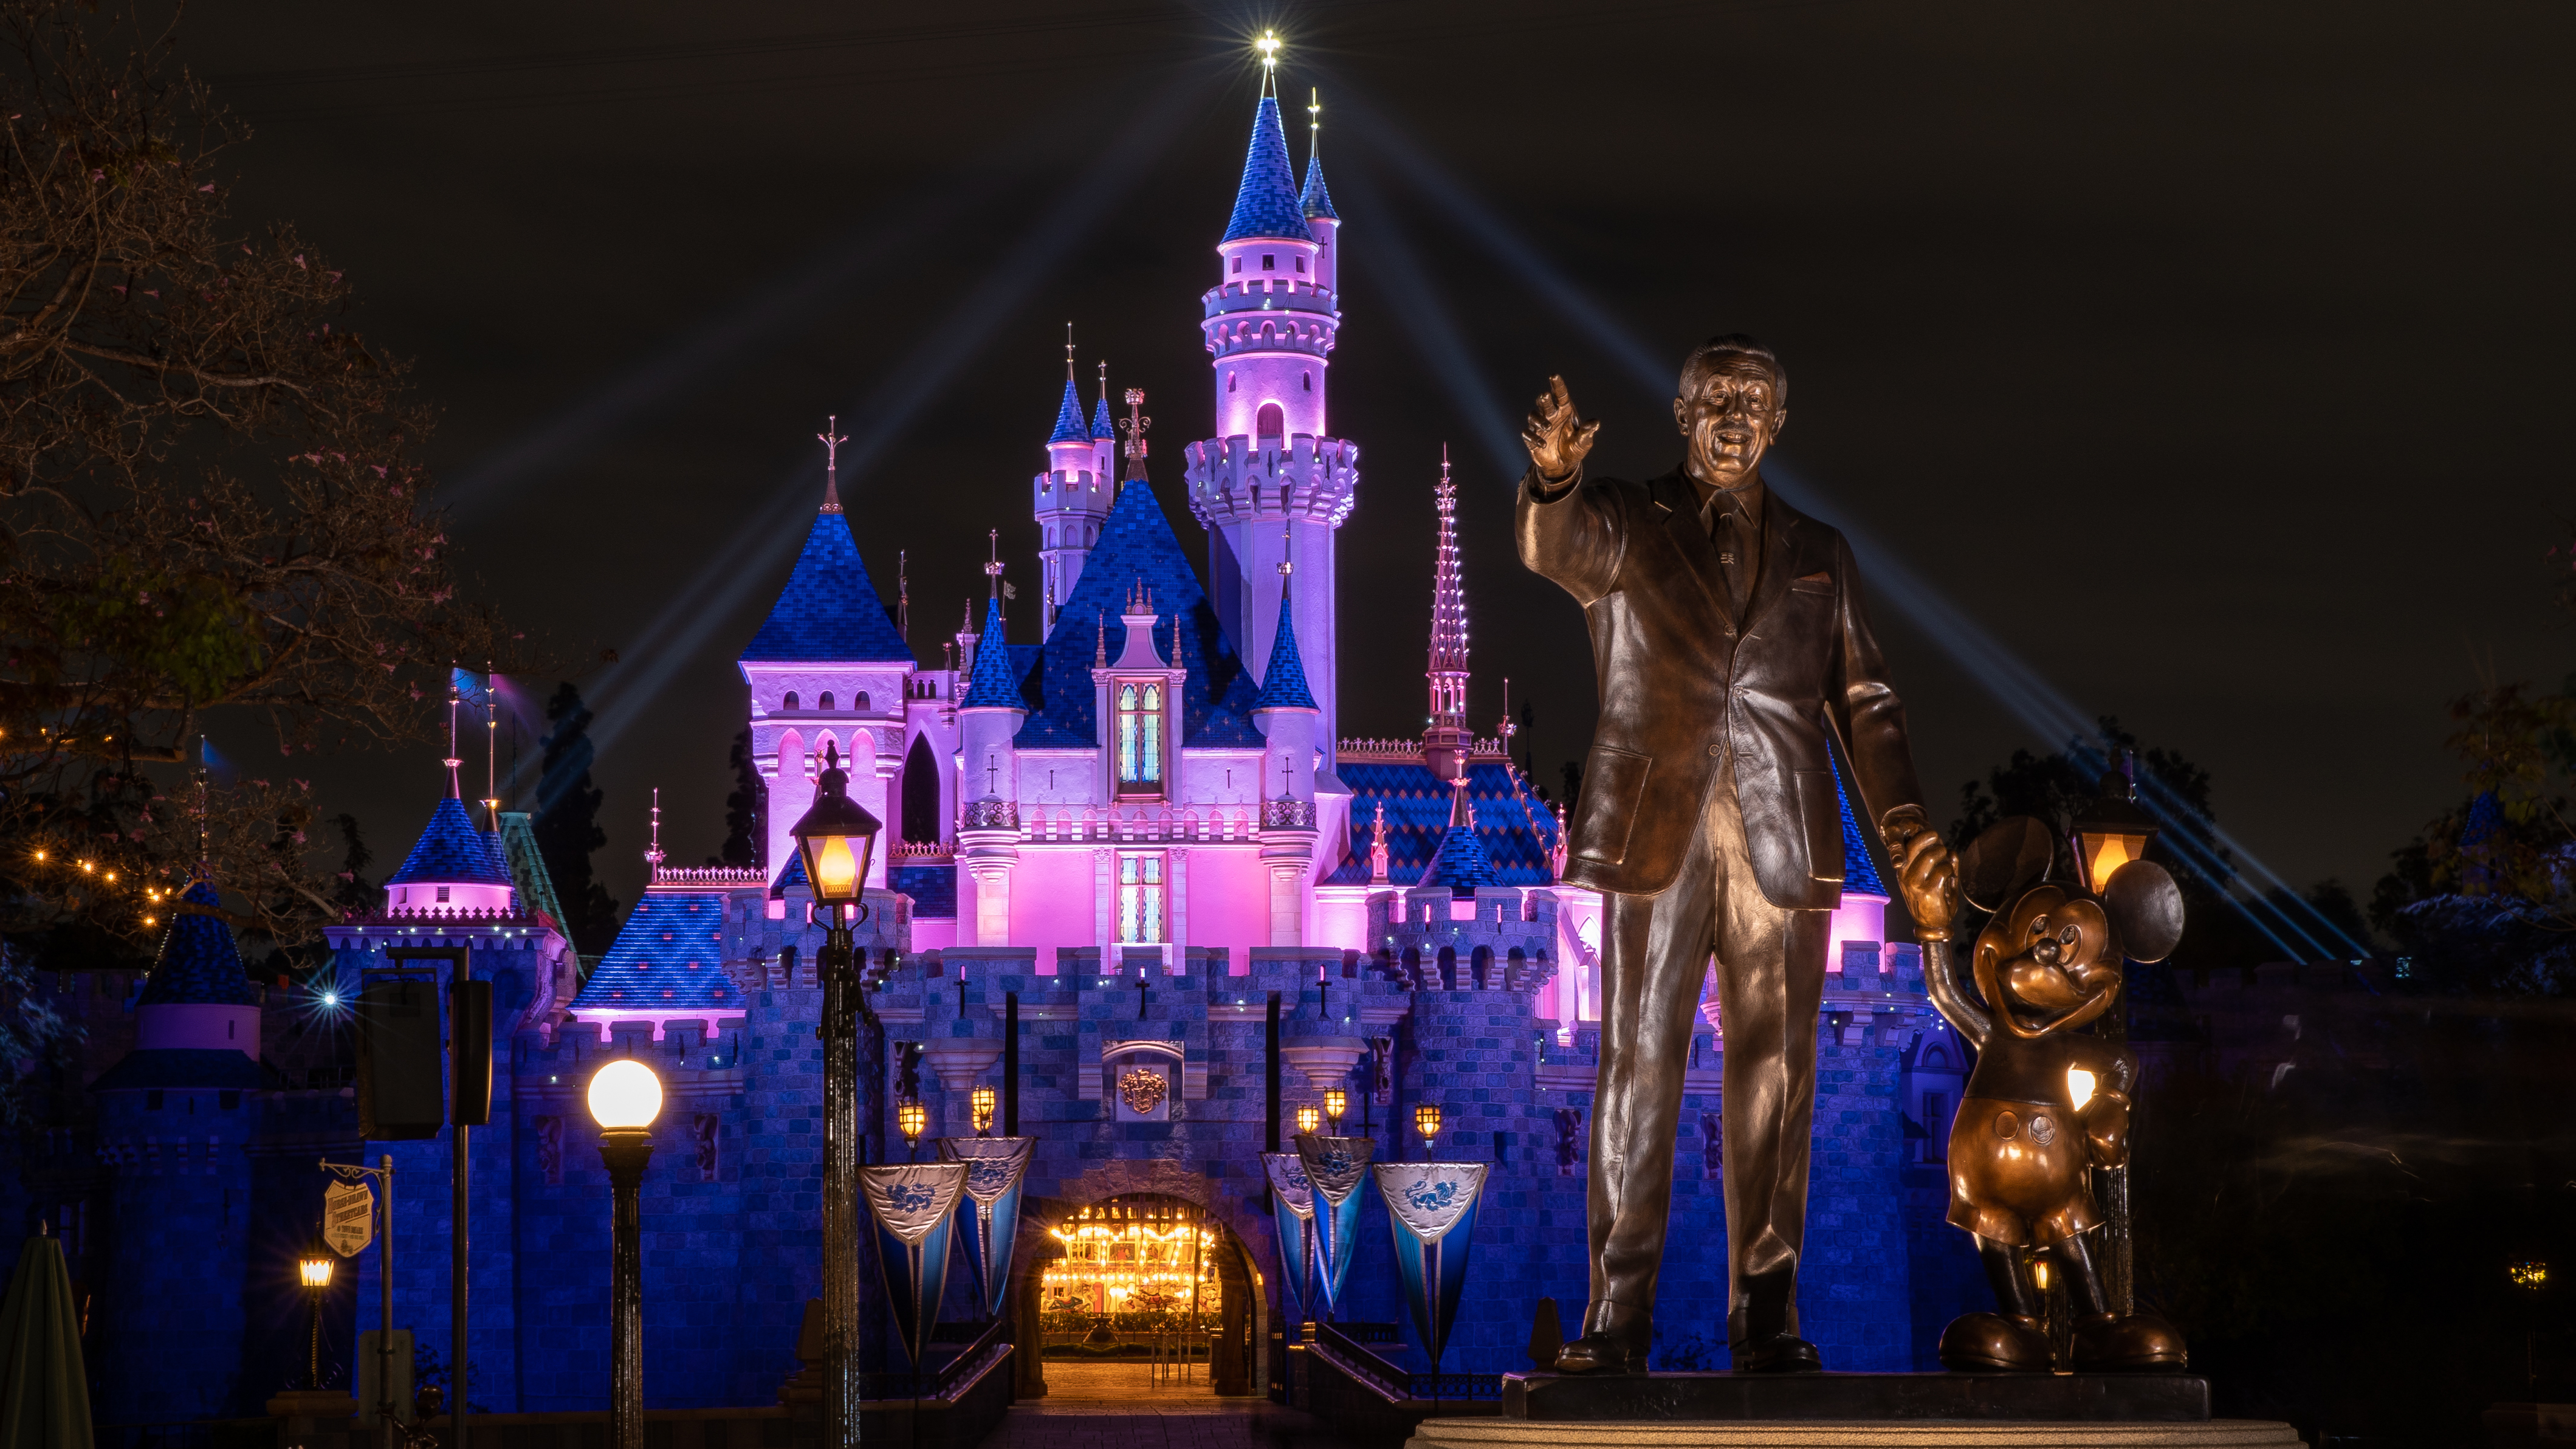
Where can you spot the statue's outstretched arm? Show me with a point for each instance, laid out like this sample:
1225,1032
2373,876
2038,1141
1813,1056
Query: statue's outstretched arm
1941,982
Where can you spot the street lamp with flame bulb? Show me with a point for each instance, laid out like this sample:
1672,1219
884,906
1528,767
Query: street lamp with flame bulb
983,1101
625,1097
2114,831
836,839
1426,1120
912,1117
1336,1102
1308,1118
314,1266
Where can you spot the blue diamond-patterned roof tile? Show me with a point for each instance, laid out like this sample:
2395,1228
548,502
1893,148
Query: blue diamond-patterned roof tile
1137,545
829,609
1514,828
995,684
1068,419
1285,685
1860,873
1317,201
933,889
668,959
200,965
1267,205
450,850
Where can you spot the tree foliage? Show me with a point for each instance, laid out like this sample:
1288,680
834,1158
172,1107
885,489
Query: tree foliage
567,823
211,499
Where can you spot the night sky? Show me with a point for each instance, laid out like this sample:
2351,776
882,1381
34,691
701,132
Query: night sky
2211,360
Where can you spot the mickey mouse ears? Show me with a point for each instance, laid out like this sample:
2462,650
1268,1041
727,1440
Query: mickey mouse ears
2014,854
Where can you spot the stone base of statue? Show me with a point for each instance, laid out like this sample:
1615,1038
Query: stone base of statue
1876,1411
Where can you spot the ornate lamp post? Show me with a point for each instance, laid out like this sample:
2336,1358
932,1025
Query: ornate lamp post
1426,1120
1336,1102
1308,1119
625,1097
912,1117
314,1266
836,839
2111,834
983,1100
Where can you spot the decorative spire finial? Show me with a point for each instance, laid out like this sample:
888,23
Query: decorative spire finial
1068,352
993,565
202,773
903,597
491,747
1314,121
653,853
1448,741
1268,45
831,440
1287,546
1134,427
454,762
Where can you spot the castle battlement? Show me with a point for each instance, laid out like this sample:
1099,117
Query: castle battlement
1311,478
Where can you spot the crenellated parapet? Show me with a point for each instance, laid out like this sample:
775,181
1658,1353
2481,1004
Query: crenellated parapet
1502,938
1242,479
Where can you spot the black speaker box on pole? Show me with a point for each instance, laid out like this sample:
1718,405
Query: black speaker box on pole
400,1097
469,1050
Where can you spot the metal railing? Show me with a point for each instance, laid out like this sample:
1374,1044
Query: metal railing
942,1382
1397,1382
1287,814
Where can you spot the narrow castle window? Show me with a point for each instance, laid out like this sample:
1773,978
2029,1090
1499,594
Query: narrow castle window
862,702
1309,379
1269,263
827,699
1140,899
1301,264
442,895
1140,739
790,701
1238,264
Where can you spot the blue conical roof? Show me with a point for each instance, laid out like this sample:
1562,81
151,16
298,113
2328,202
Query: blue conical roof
1068,419
829,609
995,685
1137,546
1267,204
452,850
1461,863
1284,687
199,963
1318,198
1860,874
1101,427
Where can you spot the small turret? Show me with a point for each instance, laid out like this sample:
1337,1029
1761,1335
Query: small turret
1316,200
1071,498
1446,743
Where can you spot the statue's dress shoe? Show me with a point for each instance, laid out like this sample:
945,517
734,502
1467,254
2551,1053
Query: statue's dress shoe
1776,1353
1602,1353
1995,1343
2127,1343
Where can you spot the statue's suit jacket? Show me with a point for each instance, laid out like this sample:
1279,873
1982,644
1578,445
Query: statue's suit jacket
1682,680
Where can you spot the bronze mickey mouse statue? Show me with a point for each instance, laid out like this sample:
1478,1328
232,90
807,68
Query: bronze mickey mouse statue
2045,1104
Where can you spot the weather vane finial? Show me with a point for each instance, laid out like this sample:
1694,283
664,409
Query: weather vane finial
831,440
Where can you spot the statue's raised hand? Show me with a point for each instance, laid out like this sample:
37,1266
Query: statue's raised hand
1557,439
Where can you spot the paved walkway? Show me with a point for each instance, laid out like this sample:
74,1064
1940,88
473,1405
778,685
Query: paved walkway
1118,1406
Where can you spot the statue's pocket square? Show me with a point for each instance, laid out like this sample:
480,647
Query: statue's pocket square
1816,583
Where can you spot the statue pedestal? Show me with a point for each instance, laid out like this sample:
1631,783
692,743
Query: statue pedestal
1873,1411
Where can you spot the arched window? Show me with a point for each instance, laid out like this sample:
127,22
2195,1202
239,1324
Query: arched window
862,701
1308,379
827,700
1935,1057
1229,382
1140,899
1140,738
1271,422
921,820
790,701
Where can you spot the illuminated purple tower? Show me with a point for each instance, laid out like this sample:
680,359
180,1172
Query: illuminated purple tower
1270,323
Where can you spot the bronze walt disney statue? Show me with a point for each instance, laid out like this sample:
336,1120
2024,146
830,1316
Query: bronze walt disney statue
2045,1104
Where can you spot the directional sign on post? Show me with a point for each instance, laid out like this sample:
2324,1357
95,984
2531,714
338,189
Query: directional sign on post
348,1218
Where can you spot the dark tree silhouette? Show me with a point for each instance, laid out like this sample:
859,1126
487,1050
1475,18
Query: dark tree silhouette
746,844
567,823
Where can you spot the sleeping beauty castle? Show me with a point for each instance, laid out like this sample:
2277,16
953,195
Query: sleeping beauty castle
1136,890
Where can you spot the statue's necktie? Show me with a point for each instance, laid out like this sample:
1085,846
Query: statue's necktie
1739,546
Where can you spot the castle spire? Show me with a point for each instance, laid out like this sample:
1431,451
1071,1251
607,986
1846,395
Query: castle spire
1134,427
1316,199
1100,426
1446,743
832,440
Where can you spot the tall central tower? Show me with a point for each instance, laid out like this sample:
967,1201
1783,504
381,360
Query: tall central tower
1269,324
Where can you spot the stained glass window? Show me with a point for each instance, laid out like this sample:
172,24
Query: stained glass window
1140,899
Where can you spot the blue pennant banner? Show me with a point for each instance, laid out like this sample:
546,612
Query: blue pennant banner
1292,1207
990,1222
1431,1210
1335,1167
914,1205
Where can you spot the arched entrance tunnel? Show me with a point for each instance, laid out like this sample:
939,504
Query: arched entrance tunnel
1140,1292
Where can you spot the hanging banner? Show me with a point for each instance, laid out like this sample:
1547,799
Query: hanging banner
1335,1167
1292,1208
1431,1210
995,1167
913,1206
348,1217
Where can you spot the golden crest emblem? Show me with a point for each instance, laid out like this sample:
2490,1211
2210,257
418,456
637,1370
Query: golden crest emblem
1142,1090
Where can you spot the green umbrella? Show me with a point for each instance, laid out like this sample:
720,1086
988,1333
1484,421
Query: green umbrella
44,1396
